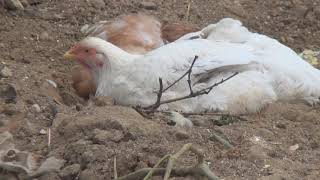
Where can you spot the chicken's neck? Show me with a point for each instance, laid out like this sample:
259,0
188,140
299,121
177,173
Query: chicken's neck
117,60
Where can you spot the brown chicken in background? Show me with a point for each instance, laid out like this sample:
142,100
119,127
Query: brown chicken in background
135,33
173,31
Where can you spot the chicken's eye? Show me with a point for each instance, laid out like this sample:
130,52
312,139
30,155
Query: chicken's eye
87,50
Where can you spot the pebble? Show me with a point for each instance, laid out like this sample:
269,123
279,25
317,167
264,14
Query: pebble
148,5
50,176
8,93
98,4
181,135
44,36
180,121
70,172
6,72
102,136
294,147
43,132
25,3
14,5
51,164
88,175
36,108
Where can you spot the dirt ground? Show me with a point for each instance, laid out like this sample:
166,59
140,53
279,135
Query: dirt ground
281,142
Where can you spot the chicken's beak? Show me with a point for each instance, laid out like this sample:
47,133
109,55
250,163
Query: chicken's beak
69,56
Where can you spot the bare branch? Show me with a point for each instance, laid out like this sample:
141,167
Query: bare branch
194,94
115,172
226,143
186,73
200,169
159,95
149,175
151,109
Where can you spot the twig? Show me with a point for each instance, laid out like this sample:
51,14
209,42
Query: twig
221,140
141,112
149,175
212,113
186,73
191,95
115,172
144,111
200,169
49,138
159,95
173,159
188,10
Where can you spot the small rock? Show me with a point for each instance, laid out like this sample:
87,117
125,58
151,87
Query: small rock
36,108
70,172
148,5
281,126
102,136
6,72
181,135
24,3
2,45
50,176
179,120
294,147
257,153
86,158
98,4
88,175
152,160
8,93
43,132
141,165
54,84
13,5
44,36
79,107
200,121
51,164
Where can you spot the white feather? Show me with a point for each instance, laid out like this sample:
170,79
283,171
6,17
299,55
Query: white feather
269,71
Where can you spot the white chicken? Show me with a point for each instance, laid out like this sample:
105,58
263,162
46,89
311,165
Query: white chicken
134,33
268,71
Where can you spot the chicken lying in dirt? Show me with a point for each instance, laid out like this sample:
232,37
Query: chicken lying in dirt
261,71
135,33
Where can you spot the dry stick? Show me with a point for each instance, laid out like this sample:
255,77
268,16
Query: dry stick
140,111
159,95
149,175
115,167
201,169
194,94
174,158
226,144
176,172
49,138
186,73
212,113
188,10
